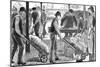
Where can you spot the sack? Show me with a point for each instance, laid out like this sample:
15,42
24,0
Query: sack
39,43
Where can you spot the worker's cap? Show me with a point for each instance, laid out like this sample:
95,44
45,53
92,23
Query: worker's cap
71,10
91,8
22,9
58,13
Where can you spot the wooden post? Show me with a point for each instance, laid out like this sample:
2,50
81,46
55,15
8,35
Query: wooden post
41,9
84,9
27,26
68,7
41,18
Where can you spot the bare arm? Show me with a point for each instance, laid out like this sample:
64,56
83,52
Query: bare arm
75,20
17,26
57,28
31,27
